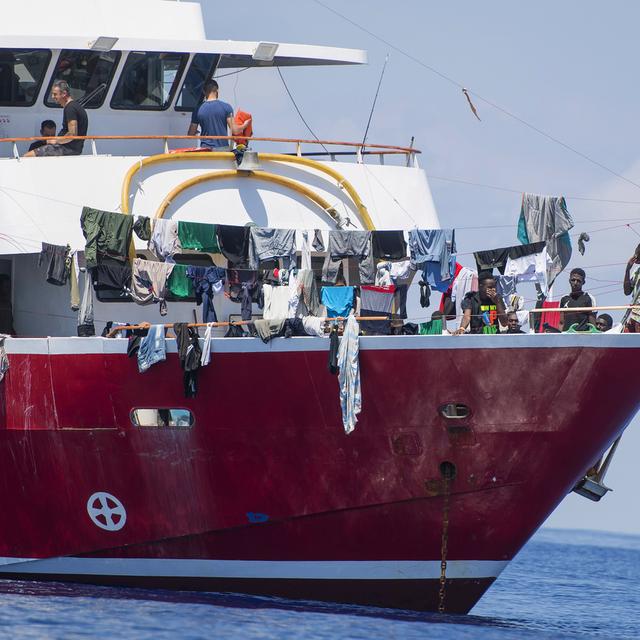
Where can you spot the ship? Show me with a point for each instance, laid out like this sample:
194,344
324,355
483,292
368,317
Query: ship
464,445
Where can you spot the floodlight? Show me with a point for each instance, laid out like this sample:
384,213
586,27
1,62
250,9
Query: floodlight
265,51
103,43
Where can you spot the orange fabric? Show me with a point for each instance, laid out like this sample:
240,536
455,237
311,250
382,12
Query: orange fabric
240,118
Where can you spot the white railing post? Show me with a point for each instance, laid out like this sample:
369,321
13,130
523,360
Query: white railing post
94,150
166,145
298,149
359,155
16,155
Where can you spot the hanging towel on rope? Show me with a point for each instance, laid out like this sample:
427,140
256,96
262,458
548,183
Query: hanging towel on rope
546,218
199,236
349,374
206,346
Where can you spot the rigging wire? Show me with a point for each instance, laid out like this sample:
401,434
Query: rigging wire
375,99
232,73
298,110
457,84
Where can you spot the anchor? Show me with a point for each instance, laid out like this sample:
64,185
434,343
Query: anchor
592,485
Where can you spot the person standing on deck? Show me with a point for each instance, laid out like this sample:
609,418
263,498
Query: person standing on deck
75,122
483,310
576,299
215,118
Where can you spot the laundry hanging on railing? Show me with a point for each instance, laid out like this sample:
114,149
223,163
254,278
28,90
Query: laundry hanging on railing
389,245
376,301
267,244
337,300
190,355
164,242
348,361
55,258
208,282
152,348
199,236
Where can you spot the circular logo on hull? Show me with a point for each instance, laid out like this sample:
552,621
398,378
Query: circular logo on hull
106,511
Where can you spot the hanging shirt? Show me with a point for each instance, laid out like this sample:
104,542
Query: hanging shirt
106,234
267,244
200,236
179,284
349,374
207,283
111,277
55,258
433,246
244,288
276,302
349,244
532,267
376,301
164,242
337,300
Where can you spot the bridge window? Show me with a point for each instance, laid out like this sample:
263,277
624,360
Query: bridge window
202,67
148,81
21,75
88,74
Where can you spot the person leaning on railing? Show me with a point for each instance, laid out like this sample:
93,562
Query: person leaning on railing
631,286
483,310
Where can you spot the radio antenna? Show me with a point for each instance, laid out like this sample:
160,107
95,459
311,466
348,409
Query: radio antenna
375,99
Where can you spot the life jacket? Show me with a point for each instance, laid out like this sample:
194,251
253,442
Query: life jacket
240,118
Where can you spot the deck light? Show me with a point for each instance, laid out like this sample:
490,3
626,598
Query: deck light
103,43
265,51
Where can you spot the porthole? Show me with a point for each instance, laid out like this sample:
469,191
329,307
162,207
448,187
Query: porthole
162,418
455,411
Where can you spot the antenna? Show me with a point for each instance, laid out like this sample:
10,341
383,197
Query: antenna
375,99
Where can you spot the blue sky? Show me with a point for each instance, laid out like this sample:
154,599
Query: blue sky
566,68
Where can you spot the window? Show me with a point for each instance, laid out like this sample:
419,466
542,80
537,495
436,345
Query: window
202,67
88,74
162,418
21,75
148,81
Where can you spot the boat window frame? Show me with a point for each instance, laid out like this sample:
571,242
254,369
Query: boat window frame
38,88
134,418
212,70
184,59
105,93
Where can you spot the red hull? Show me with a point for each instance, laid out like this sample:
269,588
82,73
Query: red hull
268,439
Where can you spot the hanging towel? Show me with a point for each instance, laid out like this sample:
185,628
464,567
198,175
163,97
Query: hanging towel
431,328
179,284
152,348
304,246
199,236
206,346
149,282
267,244
313,326
349,374
389,245
550,318
164,242
276,302
207,283
106,234
337,300
532,267
546,218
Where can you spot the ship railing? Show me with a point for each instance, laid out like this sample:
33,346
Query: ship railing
332,149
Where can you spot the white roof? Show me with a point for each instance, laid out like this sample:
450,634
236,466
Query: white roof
236,53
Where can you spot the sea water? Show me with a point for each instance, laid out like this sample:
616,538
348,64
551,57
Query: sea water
563,584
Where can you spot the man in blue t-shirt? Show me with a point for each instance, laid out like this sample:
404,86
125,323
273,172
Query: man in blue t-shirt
215,118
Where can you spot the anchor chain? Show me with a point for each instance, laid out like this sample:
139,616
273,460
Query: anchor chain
444,545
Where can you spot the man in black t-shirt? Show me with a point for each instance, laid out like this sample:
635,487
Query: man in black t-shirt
483,310
577,298
74,123
47,130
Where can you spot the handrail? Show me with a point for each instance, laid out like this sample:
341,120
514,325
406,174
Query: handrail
615,307
406,150
227,155
258,175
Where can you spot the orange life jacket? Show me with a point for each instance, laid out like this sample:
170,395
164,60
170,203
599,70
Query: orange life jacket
240,118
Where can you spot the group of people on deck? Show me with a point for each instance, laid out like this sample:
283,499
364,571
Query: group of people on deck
213,117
